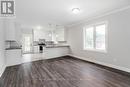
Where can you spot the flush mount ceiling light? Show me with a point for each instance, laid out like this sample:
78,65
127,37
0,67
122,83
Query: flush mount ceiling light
75,10
39,27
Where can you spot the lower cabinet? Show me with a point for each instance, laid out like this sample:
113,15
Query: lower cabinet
13,57
36,49
56,52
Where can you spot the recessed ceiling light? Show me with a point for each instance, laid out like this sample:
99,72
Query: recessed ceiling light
75,10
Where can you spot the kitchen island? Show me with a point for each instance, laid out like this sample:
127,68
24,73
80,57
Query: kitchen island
49,52
52,51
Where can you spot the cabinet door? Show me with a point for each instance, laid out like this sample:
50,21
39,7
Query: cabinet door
13,57
55,52
10,30
60,35
18,33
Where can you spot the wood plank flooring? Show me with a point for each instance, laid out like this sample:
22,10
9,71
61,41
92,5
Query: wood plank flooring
61,72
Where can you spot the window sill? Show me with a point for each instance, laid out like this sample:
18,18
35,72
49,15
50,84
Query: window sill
96,50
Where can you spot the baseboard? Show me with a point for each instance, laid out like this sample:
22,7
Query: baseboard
2,70
102,63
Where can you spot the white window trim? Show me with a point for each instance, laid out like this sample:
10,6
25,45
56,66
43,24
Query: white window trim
106,37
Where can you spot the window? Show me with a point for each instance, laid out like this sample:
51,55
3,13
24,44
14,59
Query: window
89,38
95,37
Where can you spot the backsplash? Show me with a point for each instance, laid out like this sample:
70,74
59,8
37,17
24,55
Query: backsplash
12,44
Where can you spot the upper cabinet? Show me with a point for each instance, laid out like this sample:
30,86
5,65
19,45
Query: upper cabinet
50,35
13,31
18,32
10,30
42,34
60,34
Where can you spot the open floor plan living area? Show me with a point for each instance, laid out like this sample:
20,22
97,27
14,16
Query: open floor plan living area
64,43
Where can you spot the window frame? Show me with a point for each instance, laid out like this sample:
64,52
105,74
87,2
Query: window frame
94,39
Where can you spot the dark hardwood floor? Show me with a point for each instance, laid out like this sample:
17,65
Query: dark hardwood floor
62,72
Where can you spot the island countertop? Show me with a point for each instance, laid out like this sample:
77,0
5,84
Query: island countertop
58,45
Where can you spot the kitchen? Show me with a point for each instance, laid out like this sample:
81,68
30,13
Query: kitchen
31,43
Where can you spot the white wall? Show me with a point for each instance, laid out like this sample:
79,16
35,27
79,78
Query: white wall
118,40
2,47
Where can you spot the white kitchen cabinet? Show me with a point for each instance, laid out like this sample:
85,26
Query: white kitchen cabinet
60,34
48,53
13,57
50,35
36,49
10,30
18,32
42,34
55,52
13,31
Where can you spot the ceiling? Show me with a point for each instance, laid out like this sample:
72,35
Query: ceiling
39,12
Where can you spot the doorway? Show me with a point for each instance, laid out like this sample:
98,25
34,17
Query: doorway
27,43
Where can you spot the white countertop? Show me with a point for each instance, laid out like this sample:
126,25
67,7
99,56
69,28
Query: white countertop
58,45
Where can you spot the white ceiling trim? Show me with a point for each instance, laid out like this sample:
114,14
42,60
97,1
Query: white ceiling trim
98,16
